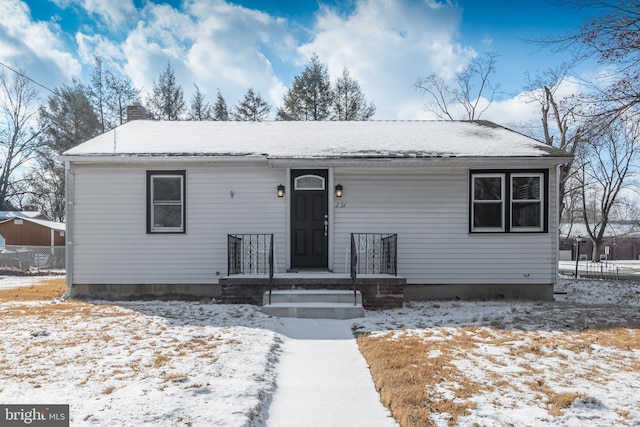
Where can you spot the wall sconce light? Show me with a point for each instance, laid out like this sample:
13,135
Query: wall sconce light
338,190
280,190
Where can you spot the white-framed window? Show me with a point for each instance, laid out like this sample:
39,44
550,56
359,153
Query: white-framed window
527,203
166,207
487,206
309,182
508,201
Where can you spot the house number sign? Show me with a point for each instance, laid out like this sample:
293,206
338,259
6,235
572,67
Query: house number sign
341,205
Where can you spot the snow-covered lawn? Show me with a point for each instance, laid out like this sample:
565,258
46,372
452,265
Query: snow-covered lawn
151,363
575,361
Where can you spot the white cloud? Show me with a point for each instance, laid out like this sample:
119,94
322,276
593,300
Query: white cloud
112,13
98,45
387,45
523,111
211,43
34,46
517,110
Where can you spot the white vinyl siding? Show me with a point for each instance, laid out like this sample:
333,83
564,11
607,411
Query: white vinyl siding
427,207
429,210
110,243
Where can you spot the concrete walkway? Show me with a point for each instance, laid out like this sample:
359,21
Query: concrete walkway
323,380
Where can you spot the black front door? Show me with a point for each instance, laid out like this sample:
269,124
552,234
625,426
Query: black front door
309,218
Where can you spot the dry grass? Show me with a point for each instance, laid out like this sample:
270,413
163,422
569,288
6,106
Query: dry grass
407,378
45,290
419,375
559,401
120,333
425,375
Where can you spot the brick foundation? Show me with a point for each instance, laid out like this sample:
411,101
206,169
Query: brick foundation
377,293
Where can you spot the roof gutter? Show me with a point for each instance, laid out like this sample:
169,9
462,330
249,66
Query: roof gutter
400,162
355,161
153,159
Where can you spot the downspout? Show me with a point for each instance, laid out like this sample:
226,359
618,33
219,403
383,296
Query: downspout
556,225
69,199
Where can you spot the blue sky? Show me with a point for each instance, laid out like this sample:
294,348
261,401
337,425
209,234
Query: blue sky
218,45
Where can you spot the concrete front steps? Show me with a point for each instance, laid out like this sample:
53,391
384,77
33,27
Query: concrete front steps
313,304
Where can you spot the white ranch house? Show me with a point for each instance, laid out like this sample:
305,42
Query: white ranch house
429,209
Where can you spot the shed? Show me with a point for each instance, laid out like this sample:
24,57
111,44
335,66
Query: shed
29,231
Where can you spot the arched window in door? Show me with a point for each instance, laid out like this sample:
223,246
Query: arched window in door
309,182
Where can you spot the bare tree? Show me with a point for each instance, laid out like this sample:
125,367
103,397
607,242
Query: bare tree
19,131
610,35
608,159
563,125
469,89
46,190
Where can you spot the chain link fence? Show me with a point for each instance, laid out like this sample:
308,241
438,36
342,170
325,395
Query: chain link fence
27,258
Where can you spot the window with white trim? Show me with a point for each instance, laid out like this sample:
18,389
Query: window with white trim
166,202
508,201
488,202
527,206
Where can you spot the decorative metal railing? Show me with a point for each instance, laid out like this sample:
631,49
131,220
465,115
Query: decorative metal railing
250,254
374,253
603,270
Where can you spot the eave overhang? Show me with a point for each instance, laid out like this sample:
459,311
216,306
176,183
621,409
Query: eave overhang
320,162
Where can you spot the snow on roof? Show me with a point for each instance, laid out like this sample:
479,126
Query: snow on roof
57,226
22,214
614,229
313,140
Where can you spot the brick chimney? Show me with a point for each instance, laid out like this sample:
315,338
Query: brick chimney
136,112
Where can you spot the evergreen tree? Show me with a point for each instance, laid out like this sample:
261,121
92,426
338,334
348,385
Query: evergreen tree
98,93
121,94
252,108
110,95
310,96
70,120
220,110
349,102
166,101
200,109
